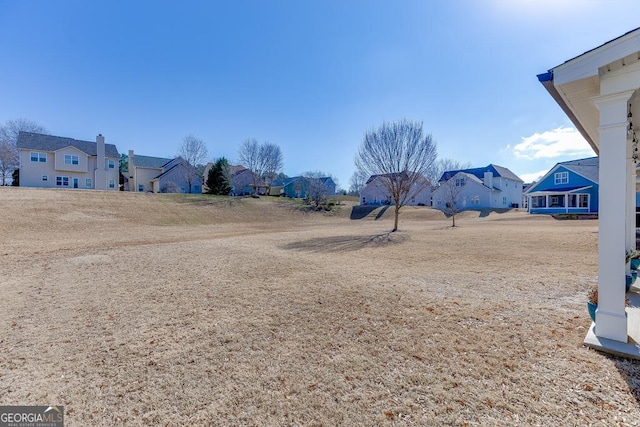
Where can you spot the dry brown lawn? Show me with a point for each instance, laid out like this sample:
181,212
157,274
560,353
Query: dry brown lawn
138,309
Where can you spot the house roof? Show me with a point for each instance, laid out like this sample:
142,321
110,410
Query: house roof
588,167
235,169
150,162
575,83
474,178
373,177
41,142
562,189
498,171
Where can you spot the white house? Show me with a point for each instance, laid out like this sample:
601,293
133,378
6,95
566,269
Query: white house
57,162
487,187
375,192
599,91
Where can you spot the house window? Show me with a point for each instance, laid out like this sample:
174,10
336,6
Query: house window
561,178
538,201
70,159
88,183
45,178
62,181
459,182
112,183
584,201
475,200
112,164
556,201
572,201
141,187
504,200
38,157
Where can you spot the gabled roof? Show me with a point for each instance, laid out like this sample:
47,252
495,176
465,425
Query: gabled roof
392,175
477,180
285,181
587,168
236,169
498,171
150,162
41,142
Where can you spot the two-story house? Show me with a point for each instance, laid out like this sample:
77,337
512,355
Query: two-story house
491,187
58,162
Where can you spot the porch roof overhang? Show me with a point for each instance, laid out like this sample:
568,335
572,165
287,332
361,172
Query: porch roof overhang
575,83
569,190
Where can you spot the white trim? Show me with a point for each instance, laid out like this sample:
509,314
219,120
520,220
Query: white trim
589,63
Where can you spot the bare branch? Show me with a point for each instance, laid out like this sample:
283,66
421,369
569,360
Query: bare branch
401,155
193,150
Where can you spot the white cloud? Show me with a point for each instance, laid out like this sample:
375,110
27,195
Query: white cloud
560,142
533,176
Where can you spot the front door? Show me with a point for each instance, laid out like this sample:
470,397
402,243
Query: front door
75,182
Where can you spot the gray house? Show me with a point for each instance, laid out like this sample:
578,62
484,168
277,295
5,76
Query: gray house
57,162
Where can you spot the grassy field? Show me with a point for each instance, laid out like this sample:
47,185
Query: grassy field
141,309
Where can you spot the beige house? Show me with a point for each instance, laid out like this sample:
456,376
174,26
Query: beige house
162,175
57,162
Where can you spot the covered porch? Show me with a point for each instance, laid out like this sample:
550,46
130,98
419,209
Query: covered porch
568,200
600,92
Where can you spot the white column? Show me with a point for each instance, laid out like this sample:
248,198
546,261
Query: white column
631,200
611,319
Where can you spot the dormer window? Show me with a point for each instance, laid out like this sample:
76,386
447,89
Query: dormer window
561,178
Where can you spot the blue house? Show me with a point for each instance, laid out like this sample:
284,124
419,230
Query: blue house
569,187
299,186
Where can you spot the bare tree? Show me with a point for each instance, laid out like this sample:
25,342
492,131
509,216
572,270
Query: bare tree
263,159
249,156
401,155
451,191
441,166
272,160
8,160
9,143
317,188
194,152
357,183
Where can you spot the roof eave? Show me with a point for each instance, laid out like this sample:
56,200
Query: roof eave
547,81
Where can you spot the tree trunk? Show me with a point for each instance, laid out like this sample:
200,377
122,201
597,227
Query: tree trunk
395,220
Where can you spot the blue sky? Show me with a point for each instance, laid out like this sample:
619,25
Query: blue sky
311,76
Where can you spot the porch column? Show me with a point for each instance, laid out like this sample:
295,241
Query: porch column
631,201
611,319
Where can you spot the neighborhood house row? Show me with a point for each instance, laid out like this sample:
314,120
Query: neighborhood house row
58,162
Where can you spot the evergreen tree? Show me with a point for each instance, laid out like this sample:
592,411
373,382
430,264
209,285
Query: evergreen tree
218,178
